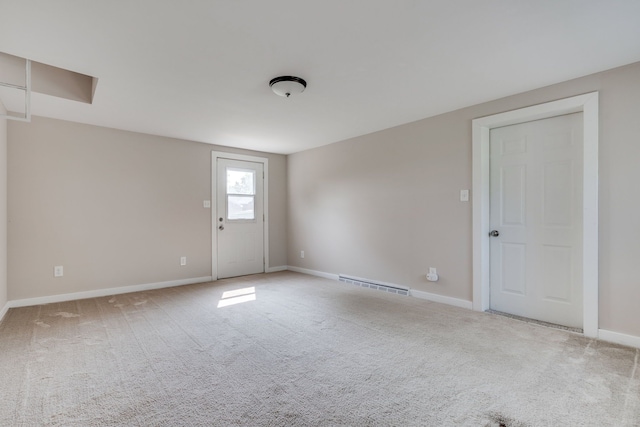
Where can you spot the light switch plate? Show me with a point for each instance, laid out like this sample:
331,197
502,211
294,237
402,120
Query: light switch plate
464,195
207,203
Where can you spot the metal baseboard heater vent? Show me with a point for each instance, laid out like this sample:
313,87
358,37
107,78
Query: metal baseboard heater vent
371,284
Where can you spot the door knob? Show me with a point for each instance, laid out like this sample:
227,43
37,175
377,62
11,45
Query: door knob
221,227
494,233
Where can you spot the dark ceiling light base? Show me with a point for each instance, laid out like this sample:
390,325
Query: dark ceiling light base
287,85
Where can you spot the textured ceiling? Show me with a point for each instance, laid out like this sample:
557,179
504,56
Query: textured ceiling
199,70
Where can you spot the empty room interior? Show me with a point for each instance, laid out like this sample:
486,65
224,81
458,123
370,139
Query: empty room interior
287,213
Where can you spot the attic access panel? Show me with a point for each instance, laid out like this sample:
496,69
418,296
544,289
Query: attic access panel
19,77
15,84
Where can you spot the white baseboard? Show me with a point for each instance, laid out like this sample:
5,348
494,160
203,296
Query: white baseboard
4,310
276,269
456,302
105,292
618,338
313,273
417,294
603,334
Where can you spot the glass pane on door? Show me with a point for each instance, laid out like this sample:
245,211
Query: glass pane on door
240,207
241,181
241,190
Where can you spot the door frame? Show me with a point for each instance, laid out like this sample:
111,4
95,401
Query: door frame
215,155
481,127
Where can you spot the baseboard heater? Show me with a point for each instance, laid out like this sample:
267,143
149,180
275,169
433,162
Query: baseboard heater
372,284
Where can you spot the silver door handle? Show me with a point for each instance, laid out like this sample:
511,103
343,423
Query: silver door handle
221,227
494,233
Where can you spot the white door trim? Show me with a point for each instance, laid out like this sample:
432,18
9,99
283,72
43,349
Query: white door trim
588,105
215,155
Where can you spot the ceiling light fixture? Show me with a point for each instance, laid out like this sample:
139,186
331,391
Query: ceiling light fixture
287,85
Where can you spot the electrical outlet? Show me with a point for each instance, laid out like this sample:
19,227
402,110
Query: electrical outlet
183,260
58,271
206,204
301,254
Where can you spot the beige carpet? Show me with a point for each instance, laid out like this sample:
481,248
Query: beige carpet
305,352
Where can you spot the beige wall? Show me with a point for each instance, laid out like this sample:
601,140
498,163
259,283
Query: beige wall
3,209
386,206
115,208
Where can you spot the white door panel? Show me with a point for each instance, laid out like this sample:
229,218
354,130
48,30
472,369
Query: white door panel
536,207
240,218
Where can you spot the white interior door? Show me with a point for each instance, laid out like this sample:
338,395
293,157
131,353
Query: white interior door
536,220
239,218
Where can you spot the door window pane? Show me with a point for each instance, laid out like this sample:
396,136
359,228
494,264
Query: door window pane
241,181
240,207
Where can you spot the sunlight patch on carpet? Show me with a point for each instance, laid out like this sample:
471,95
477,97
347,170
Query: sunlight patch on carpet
237,296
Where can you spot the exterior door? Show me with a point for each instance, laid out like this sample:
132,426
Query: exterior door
536,220
239,218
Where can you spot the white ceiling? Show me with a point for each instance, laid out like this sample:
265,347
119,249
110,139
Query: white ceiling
200,69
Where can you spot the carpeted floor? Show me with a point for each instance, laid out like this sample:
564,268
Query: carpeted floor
301,351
